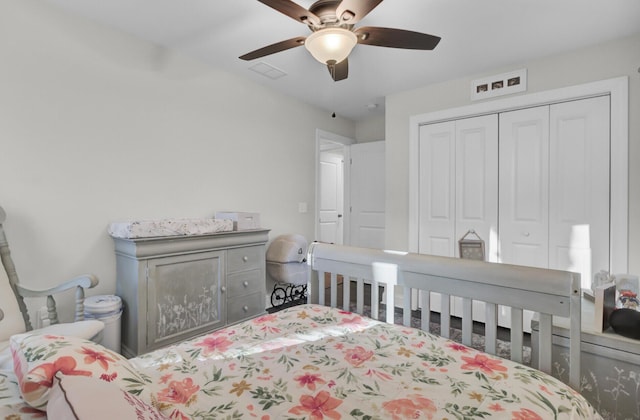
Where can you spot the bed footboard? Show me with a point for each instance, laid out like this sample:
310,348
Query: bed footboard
546,292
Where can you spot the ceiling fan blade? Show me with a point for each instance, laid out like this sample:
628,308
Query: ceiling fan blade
351,11
396,38
274,48
293,10
339,71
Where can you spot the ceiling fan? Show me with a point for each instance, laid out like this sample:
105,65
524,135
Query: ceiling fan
334,36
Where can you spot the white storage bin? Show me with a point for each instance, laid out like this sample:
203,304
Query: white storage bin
108,309
241,221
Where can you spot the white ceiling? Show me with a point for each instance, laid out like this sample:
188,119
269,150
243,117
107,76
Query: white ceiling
478,36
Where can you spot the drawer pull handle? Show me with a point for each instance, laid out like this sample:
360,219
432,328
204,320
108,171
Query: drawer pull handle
245,283
245,308
223,289
245,258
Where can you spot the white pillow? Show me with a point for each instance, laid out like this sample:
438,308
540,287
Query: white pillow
9,325
81,397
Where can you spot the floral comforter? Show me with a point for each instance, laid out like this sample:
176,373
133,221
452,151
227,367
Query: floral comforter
314,362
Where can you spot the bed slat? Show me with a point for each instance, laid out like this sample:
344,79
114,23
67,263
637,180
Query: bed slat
346,294
516,335
321,277
425,302
360,295
467,321
445,316
491,328
375,300
406,307
334,290
390,309
544,353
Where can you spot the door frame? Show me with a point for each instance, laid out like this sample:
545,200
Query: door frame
616,88
323,137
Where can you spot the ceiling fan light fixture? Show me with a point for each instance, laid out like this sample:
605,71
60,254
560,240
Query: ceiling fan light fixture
331,44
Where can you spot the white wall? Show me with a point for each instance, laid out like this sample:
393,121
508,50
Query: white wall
97,126
370,129
612,59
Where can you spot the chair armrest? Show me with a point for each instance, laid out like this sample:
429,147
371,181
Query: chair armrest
79,283
85,281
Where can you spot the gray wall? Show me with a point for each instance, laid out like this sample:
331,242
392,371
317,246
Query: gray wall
609,60
370,129
97,126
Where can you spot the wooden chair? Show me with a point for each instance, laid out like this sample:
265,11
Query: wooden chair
14,317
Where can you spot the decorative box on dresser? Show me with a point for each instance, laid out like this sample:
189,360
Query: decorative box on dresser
610,365
177,287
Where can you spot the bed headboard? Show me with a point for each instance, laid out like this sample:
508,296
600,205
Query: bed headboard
545,292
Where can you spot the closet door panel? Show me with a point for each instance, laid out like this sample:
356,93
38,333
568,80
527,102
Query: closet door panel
437,189
524,187
579,188
437,194
477,181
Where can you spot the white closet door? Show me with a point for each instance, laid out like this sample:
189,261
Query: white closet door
458,184
437,189
437,195
477,190
458,187
524,187
477,181
579,189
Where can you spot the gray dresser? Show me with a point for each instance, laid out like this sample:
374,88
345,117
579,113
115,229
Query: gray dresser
177,287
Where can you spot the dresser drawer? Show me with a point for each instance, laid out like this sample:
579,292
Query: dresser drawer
245,283
245,307
242,259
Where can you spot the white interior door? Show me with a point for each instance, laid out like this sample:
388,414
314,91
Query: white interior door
458,188
476,177
524,187
524,194
579,188
331,198
437,189
367,192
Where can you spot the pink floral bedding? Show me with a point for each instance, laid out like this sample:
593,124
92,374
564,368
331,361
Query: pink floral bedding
314,362
308,362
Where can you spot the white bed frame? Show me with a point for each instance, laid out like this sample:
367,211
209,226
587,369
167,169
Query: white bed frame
546,292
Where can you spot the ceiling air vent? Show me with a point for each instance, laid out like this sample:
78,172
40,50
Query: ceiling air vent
267,70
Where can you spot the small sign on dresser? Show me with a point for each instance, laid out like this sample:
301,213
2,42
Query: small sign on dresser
604,305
